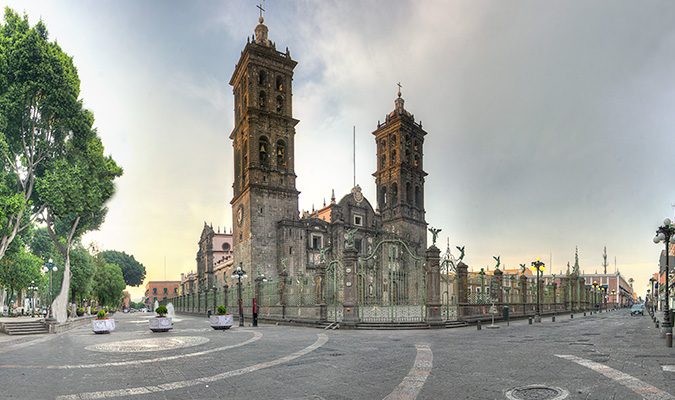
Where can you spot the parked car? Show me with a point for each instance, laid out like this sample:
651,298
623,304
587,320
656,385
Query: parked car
637,309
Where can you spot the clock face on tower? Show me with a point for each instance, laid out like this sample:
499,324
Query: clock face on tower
240,214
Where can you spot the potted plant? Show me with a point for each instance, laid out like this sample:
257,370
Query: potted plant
80,311
221,320
102,324
161,323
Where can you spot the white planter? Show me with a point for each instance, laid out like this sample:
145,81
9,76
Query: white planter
221,321
161,324
103,325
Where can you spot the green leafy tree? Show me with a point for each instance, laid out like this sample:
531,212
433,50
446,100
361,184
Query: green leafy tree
39,89
74,194
108,284
133,271
18,269
83,268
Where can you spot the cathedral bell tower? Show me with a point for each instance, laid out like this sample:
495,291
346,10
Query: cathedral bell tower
399,177
263,141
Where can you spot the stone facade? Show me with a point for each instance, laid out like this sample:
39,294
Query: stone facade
269,234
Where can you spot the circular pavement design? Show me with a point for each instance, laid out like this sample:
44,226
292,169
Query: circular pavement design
154,344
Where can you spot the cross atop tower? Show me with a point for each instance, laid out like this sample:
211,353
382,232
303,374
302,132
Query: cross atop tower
260,7
399,89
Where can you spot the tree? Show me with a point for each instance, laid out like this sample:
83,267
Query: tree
133,271
18,269
108,283
73,195
83,269
39,89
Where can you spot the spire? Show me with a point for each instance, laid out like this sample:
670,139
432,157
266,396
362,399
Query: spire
332,197
261,30
399,101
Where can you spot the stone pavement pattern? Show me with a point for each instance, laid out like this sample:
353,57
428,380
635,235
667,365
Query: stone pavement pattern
194,361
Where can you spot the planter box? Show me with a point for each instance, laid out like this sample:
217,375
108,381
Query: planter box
103,325
221,321
161,324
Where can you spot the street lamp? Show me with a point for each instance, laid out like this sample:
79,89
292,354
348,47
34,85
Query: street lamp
32,288
537,266
49,267
595,295
665,234
238,274
651,281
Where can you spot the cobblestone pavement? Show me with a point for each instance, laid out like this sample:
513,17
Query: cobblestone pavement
601,356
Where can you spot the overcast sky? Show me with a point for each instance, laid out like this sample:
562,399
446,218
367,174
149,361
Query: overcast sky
550,124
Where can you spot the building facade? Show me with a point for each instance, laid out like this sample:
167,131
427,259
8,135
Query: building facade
159,291
269,236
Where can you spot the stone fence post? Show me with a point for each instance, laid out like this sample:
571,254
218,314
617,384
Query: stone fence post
350,305
499,276
462,289
432,292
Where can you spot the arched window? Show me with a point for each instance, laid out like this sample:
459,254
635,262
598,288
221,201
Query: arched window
418,197
394,194
417,160
383,161
280,83
262,77
262,99
408,193
281,154
264,151
393,157
383,197
280,104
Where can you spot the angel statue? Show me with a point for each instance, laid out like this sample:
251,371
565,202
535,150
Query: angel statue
498,262
522,269
461,253
283,264
323,255
434,235
350,236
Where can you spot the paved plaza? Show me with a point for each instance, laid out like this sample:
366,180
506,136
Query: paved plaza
601,356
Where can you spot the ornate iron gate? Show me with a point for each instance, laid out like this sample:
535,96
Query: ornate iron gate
448,285
334,291
391,284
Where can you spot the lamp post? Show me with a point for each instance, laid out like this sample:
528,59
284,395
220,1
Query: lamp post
665,234
32,288
537,266
238,274
49,267
651,281
595,295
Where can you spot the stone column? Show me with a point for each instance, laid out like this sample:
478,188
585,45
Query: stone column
432,290
461,289
351,308
574,305
499,277
523,290
283,275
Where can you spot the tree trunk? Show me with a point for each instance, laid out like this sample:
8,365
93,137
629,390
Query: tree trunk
60,304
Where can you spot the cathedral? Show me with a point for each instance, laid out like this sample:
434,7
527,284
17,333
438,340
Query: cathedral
269,234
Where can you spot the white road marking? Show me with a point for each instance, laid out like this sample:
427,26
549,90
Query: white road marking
320,341
256,335
411,385
643,389
668,368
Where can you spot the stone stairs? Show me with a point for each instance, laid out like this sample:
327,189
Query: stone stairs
24,327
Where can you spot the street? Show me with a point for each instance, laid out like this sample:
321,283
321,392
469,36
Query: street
600,356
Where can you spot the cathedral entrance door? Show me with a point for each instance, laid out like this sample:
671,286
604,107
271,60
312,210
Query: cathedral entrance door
334,291
391,284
